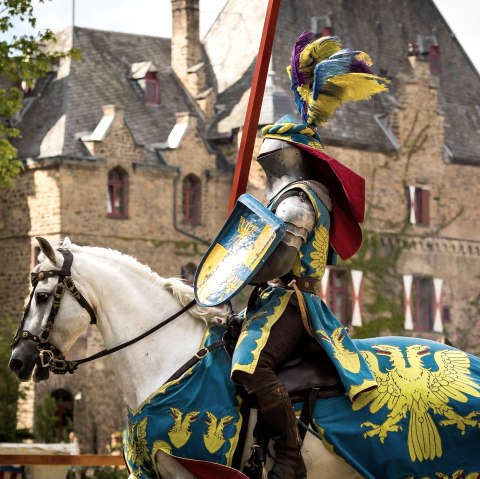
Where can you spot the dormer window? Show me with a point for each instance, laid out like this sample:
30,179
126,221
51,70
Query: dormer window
151,87
428,47
321,26
146,76
434,58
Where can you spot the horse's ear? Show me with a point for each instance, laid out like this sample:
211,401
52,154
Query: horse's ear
47,249
66,243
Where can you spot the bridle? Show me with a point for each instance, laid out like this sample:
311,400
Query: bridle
50,356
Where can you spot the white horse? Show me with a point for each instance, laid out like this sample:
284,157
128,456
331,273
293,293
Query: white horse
128,299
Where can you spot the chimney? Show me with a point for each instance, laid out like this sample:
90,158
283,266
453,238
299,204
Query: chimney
187,52
186,49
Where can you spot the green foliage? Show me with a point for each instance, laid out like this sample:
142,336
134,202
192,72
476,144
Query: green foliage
110,473
383,299
23,58
9,391
46,420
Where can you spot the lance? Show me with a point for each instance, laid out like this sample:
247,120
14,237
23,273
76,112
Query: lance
249,132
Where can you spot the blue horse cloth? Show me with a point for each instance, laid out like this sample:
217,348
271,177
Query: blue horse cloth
423,421
196,417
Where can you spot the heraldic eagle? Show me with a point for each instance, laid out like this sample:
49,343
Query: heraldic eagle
415,390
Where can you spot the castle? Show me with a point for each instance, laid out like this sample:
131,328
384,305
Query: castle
133,148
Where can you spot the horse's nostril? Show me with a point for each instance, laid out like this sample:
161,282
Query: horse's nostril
15,364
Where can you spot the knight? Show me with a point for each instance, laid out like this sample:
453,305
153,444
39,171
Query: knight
321,203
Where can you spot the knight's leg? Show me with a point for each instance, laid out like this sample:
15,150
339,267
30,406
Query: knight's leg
273,401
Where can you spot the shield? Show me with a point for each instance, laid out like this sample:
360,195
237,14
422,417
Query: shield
247,239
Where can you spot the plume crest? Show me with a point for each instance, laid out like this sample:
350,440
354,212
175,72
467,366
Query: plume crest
324,75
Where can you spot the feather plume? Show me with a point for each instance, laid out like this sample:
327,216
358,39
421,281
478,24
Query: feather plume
323,76
296,76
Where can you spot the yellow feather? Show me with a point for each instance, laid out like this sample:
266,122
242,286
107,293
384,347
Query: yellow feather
356,86
364,57
317,51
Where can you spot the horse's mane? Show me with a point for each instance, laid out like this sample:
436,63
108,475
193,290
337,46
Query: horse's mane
182,292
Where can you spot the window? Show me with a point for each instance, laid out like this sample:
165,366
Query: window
422,303
64,412
434,57
419,205
151,88
191,193
145,74
338,298
117,193
321,26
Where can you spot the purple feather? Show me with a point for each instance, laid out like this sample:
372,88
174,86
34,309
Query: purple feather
298,78
358,66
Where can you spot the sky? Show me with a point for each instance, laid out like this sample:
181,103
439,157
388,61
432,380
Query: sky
153,17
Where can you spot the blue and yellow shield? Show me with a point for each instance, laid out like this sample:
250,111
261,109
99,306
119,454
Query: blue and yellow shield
247,239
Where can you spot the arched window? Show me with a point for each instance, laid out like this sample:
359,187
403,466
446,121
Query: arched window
64,412
117,193
191,193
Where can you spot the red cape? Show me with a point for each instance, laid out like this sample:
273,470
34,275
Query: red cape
209,470
347,192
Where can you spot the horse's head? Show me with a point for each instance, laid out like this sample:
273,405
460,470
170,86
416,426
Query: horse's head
52,320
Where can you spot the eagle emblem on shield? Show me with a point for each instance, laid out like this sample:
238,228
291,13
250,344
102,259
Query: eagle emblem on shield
248,238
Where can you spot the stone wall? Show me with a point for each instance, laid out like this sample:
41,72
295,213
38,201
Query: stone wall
68,197
447,248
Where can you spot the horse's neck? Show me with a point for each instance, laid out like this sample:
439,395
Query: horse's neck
129,303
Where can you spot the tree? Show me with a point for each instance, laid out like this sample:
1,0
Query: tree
9,391
46,420
23,59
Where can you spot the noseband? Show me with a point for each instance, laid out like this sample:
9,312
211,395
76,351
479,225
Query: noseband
51,356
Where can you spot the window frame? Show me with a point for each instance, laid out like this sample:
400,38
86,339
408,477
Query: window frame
419,197
191,200
434,60
151,80
117,182
423,303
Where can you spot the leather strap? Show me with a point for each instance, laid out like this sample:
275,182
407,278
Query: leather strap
306,284
301,305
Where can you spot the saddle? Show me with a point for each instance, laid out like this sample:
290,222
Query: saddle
308,368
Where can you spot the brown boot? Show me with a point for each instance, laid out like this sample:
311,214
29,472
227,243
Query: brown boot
276,408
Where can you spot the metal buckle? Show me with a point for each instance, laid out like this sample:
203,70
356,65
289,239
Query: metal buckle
49,357
201,356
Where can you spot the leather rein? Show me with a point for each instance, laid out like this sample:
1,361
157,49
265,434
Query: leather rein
50,356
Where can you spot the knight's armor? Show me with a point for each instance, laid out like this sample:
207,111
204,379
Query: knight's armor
284,165
273,326
321,203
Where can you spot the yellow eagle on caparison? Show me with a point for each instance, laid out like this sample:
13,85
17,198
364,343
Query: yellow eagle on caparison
413,389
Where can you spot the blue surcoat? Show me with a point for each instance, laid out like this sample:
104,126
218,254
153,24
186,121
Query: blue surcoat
310,262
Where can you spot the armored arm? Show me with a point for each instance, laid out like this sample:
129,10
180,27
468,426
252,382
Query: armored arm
296,211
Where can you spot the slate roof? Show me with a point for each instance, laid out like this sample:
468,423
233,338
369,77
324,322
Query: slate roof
381,28
103,76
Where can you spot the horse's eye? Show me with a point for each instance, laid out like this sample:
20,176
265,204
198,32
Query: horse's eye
42,297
